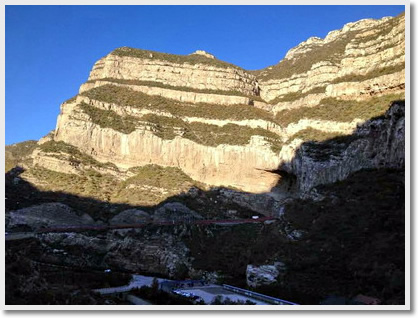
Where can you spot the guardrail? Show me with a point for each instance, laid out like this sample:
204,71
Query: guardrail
269,299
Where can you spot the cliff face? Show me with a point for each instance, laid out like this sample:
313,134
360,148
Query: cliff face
362,59
196,71
224,126
378,143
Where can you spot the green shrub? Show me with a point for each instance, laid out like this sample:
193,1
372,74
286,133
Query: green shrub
109,119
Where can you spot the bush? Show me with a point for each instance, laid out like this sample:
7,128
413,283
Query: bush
109,119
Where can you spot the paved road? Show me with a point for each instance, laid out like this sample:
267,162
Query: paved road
137,282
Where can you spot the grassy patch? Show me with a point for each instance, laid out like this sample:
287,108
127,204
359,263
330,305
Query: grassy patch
311,134
375,73
339,110
124,96
383,30
16,153
152,184
89,184
301,63
177,88
230,134
172,58
109,119
297,95
76,155
331,52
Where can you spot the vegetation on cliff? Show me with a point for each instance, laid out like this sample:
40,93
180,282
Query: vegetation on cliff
177,88
290,97
311,134
152,184
192,59
301,63
331,52
109,119
124,96
340,110
169,127
16,153
379,71
76,156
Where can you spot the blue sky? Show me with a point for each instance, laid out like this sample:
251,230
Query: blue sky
51,49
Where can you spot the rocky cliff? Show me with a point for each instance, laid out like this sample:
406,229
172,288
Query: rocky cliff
224,126
362,59
378,143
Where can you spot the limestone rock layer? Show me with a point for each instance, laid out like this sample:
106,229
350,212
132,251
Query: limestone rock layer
225,126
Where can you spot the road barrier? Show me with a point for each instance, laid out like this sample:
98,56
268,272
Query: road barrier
249,293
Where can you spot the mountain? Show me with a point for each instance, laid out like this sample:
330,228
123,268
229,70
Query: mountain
153,136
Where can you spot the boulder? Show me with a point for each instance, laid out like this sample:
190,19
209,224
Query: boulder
264,274
130,216
175,211
46,215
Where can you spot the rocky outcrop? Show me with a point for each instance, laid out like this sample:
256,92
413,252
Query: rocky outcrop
264,274
131,216
339,64
172,93
175,211
45,215
184,71
228,165
378,143
147,251
142,106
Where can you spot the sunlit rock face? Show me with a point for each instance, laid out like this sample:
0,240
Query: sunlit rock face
362,59
191,112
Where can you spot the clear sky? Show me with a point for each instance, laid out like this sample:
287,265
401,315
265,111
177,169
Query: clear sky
51,49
